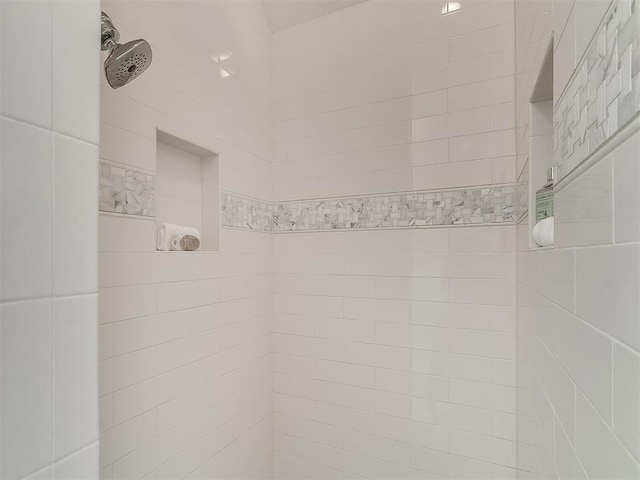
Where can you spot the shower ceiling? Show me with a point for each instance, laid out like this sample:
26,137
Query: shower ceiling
287,13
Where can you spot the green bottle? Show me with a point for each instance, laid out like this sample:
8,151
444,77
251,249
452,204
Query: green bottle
544,198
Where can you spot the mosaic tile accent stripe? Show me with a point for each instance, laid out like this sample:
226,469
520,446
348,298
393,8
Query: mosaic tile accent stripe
127,191
123,190
522,190
416,209
604,92
462,207
244,212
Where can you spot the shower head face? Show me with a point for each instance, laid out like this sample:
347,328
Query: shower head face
126,62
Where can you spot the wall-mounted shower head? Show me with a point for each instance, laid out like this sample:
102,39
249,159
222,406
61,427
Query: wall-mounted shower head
125,62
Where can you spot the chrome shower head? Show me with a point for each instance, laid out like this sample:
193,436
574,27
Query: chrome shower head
125,62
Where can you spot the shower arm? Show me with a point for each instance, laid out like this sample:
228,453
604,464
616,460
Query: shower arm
109,35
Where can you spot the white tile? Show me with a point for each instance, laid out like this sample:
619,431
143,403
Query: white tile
125,234
105,408
427,104
377,309
26,211
414,384
377,447
119,372
75,173
339,329
488,449
459,174
589,14
564,58
468,316
584,208
124,438
586,355
412,336
106,473
346,417
378,355
480,42
429,153
461,417
626,397
119,110
139,333
74,43
26,91
407,288
485,291
451,125
561,10
315,431
378,401
606,285
121,303
483,239
498,345
599,450
567,461
105,341
484,145
483,395
481,94
79,466
626,177
75,374
27,386
503,425
127,148
451,365
551,273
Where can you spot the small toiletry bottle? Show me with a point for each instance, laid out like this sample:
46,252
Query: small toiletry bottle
544,198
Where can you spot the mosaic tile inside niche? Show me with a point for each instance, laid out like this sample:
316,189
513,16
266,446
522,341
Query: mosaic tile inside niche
123,190
522,194
417,209
604,92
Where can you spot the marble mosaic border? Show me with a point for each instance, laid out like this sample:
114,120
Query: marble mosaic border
604,91
126,190
474,206
522,194
245,212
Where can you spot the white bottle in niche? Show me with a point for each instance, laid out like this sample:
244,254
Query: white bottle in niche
544,198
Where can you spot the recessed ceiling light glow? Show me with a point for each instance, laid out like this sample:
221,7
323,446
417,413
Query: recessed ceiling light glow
450,7
224,73
221,57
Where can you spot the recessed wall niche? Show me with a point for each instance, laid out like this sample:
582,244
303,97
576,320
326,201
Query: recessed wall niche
541,133
188,188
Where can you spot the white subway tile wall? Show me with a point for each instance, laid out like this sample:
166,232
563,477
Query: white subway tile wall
48,302
393,348
185,371
578,337
366,354
393,96
185,344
